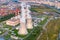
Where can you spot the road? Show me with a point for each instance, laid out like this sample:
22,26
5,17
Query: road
44,28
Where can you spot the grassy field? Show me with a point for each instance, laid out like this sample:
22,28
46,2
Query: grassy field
52,30
41,9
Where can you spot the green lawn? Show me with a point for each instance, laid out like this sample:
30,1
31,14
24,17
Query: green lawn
2,31
44,21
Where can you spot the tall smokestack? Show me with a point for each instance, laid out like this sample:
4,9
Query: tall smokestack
23,29
29,19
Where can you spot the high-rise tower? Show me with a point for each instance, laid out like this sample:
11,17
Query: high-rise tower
23,29
29,19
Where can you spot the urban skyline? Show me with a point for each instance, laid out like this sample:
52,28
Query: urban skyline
29,20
